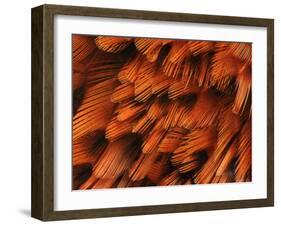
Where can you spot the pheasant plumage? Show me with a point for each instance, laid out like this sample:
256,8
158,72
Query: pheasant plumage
150,112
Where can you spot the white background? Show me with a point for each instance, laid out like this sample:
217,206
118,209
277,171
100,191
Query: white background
15,112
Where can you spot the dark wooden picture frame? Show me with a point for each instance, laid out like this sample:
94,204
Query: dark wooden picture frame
42,203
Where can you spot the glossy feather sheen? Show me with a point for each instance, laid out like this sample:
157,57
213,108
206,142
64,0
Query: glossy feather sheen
160,112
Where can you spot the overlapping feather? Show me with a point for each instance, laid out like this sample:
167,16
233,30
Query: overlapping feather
170,112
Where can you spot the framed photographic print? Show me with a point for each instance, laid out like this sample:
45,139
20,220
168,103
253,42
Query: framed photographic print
140,112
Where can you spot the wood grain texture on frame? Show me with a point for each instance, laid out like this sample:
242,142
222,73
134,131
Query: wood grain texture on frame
43,123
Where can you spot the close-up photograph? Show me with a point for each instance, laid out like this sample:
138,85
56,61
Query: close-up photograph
140,113
152,112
